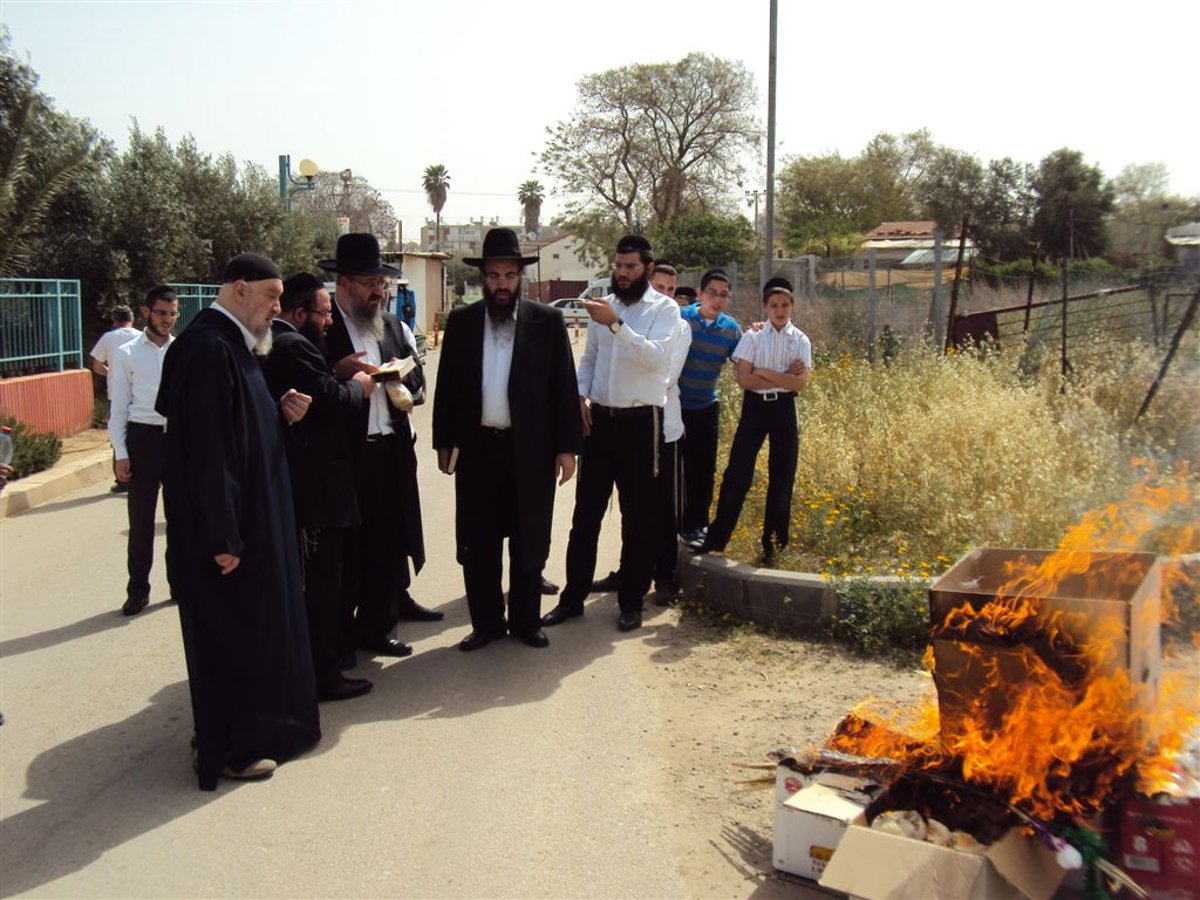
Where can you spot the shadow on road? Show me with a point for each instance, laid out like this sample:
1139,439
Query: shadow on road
81,629
74,503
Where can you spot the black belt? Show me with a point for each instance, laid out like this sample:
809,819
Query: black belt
376,438
145,425
624,410
771,396
497,433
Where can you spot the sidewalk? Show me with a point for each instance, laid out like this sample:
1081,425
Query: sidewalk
86,459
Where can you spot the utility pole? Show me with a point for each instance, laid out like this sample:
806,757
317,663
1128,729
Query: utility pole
769,252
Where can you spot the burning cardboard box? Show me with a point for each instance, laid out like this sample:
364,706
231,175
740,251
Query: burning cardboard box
810,821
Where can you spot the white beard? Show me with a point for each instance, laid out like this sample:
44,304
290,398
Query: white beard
262,342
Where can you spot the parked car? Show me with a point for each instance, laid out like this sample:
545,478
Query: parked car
573,313
602,287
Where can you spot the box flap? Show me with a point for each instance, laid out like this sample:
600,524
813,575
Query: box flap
1027,865
825,801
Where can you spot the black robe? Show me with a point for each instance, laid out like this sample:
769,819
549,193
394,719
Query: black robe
226,490
543,401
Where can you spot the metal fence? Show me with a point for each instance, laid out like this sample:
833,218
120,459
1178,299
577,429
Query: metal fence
41,325
192,299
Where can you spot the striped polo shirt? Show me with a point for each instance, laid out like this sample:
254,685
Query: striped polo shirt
712,344
774,349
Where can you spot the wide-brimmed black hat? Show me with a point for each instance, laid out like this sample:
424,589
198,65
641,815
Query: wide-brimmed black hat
500,243
357,254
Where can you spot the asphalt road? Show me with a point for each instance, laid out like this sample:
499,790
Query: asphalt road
510,772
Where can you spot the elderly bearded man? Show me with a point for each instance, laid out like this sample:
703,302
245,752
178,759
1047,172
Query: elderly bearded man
232,557
362,338
505,423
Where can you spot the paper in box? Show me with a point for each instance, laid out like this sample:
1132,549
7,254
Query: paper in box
810,823
877,865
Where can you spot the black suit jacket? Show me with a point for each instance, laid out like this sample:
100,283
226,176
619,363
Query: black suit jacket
543,401
338,346
318,445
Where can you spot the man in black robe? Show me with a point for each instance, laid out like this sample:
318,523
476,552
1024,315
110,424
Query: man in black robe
232,557
318,451
506,421
364,337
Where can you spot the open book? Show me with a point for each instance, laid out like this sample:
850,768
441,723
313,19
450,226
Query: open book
394,369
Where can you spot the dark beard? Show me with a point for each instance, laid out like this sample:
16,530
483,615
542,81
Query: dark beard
501,313
314,332
634,292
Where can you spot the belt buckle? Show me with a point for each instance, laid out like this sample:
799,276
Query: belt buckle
769,396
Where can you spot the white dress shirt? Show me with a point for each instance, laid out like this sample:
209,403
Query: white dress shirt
134,372
497,364
672,417
774,349
631,367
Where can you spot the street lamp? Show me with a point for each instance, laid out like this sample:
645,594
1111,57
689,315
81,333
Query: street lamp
289,185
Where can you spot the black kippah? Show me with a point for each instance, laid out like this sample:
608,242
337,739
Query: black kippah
633,243
249,267
302,281
776,283
685,292
715,272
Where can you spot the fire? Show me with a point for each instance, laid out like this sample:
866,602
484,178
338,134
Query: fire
1047,664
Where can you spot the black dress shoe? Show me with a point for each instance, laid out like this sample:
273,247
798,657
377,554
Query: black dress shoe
477,640
345,689
413,611
388,647
348,661
533,638
628,621
610,582
666,593
549,588
132,607
560,614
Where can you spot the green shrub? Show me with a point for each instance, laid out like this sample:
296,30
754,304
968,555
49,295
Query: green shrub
100,412
881,619
33,451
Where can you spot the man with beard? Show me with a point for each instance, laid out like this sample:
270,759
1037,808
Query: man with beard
318,452
232,559
622,380
505,423
362,338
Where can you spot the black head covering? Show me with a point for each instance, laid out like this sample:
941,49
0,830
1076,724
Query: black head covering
358,254
500,243
250,267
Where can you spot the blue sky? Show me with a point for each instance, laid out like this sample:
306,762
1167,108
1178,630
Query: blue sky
387,88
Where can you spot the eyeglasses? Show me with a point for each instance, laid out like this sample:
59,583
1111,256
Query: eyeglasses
165,313
493,277
323,313
370,283
716,295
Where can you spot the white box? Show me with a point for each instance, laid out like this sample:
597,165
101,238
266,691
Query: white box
811,822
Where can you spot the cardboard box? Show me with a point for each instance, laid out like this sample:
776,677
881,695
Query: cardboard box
809,824
877,865
1160,846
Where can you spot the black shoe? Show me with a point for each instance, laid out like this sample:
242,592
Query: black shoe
628,621
610,582
549,588
666,593
388,647
705,547
560,614
477,639
121,487
413,611
348,661
132,607
534,638
696,535
345,689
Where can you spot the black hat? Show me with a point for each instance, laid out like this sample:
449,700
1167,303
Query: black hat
776,284
249,267
500,243
685,293
357,254
634,243
715,273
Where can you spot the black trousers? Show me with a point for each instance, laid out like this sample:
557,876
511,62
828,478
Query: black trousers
147,446
375,576
774,421
668,503
321,558
496,511
621,451
702,428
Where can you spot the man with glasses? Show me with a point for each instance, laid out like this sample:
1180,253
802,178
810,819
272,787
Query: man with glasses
505,424
362,338
136,431
715,336
622,380
319,463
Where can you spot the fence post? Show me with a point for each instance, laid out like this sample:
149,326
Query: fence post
936,311
872,304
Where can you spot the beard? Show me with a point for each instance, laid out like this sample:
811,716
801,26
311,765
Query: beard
315,332
369,321
263,341
632,294
501,311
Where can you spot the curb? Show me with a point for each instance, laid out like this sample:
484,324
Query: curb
91,467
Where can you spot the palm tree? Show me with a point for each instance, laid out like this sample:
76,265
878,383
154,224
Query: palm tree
530,195
436,183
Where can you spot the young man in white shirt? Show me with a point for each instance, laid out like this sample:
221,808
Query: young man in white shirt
136,431
122,332
622,379
772,366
